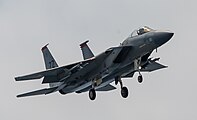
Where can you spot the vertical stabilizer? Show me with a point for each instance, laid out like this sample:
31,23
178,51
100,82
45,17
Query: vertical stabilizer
87,53
48,58
49,63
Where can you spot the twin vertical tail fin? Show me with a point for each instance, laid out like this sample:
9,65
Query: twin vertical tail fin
87,53
48,58
49,63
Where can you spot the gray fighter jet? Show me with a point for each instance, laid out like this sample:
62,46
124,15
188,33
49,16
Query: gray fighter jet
96,73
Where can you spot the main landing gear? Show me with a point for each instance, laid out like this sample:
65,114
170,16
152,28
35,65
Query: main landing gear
124,90
92,91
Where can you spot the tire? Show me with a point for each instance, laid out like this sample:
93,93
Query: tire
124,92
92,94
62,92
140,79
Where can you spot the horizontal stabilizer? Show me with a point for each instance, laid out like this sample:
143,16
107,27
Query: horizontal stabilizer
29,77
38,75
38,92
106,88
152,67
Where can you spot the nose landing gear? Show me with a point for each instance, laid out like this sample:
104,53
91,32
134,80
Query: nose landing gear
92,94
137,67
140,79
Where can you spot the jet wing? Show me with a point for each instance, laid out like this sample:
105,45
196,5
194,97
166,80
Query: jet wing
152,66
50,72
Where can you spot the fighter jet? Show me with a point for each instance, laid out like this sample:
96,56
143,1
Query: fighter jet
96,73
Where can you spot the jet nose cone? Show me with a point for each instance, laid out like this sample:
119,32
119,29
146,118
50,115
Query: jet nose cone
169,35
163,37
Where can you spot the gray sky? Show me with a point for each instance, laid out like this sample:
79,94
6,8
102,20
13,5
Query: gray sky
25,26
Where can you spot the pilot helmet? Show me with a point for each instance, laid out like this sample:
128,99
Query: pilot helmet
141,31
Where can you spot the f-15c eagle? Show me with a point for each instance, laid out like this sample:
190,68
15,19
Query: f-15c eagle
96,73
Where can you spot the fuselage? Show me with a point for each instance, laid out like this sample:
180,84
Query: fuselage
95,73
104,69
141,46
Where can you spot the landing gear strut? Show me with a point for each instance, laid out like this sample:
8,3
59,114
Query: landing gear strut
124,90
138,67
139,78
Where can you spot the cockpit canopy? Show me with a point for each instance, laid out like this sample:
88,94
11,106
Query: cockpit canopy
141,31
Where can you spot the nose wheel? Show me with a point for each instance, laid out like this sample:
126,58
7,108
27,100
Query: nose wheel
92,94
140,79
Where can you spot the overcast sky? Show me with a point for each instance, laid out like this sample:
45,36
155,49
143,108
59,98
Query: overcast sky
27,25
